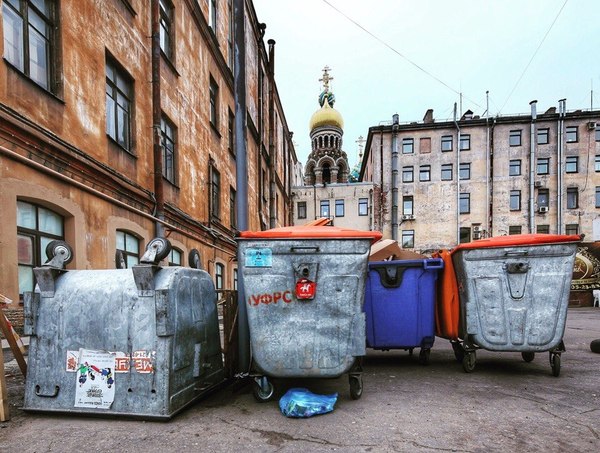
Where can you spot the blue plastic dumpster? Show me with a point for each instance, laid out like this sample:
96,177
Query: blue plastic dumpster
399,305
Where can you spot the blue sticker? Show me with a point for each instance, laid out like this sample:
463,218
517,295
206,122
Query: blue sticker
259,258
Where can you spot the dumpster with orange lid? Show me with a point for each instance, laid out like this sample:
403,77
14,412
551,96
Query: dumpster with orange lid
304,292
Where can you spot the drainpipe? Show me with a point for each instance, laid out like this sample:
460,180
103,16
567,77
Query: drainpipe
156,115
491,207
241,168
457,177
261,122
560,135
533,105
395,177
380,213
487,162
272,151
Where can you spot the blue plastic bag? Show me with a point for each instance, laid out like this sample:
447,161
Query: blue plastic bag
302,403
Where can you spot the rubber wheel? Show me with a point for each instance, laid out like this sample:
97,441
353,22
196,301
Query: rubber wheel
57,247
555,360
356,387
163,248
263,395
595,346
459,352
468,361
194,259
528,356
410,351
424,356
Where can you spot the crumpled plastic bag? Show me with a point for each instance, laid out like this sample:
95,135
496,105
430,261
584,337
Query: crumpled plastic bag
302,403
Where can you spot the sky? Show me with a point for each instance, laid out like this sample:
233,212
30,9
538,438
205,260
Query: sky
404,57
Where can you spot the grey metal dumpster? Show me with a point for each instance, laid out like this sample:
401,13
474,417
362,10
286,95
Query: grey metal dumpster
514,294
141,342
304,292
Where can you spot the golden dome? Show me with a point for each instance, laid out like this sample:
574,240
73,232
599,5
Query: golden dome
326,116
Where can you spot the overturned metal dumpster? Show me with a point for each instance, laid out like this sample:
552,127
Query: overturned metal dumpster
141,342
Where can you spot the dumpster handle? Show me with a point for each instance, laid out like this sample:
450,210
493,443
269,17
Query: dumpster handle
517,253
47,395
433,263
305,249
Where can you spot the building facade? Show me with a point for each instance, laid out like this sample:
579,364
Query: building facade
439,183
129,119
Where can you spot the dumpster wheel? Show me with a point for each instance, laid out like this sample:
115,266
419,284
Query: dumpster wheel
468,361
555,363
459,351
356,386
424,356
57,247
528,356
263,390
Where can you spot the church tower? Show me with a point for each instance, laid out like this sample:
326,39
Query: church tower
327,163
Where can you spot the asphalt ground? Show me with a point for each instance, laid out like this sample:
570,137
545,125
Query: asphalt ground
505,404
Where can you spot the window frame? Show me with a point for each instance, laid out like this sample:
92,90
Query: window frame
125,252
339,208
514,167
572,134
543,132
541,164
514,137
444,141
424,173
363,206
167,28
116,92
571,228
231,132
213,111
408,145
325,209
168,134
514,229
572,164
408,205
172,254
215,193
465,142
514,200
212,16
232,208
301,209
465,198
219,276
597,197
408,170
464,172
445,170
408,239
572,198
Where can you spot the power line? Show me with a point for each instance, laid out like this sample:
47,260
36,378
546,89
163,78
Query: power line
533,56
437,79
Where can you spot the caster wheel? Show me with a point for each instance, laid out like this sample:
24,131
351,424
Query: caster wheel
194,259
555,361
424,356
55,248
356,387
595,346
468,362
263,390
459,352
528,356
162,246
410,351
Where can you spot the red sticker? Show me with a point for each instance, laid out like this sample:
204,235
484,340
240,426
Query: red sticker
305,289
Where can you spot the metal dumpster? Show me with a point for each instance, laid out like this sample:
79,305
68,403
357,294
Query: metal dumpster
304,292
514,294
399,305
141,342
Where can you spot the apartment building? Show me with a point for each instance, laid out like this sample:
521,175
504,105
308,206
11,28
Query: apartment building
123,120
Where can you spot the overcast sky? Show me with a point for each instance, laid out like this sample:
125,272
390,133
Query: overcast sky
400,56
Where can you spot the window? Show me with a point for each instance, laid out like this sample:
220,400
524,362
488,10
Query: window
29,40
175,257
465,142
425,145
597,163
212,15
363,206
514,229
325,208
464,235
597,133
571,164
543,166
214,102
514,138
515,200
231,132
408,145
543,229
230,35
446,172
235,279
408,174
425,173
167,143
514,167
465,203
571,228
407,205
232,208
543,136
408,239
302,209
215,193
447,143
339,208
129,246
219,275
597,197
572,198
166,28
571,134
465,171
542,198
36,228
119,98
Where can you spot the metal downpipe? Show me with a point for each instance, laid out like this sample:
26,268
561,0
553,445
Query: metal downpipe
395,177
533,105
156,117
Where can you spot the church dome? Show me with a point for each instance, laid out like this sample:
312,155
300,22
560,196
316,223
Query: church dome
326,115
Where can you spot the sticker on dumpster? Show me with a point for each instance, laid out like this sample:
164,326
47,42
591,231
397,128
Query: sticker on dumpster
95,380
305,289
270,298
72,361
262,257
143,361
122,362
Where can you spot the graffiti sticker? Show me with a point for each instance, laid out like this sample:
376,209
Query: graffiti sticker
95,380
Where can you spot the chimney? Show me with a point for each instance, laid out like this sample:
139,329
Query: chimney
428,118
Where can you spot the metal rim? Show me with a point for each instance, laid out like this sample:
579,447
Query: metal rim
57,247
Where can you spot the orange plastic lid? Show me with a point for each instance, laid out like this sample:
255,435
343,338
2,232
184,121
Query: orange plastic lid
311,232
518,239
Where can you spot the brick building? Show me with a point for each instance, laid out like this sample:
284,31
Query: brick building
123,120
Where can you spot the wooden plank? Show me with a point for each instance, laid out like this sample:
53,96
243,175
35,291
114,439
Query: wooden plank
13,338
4,411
